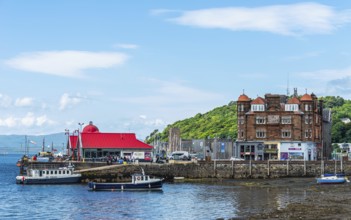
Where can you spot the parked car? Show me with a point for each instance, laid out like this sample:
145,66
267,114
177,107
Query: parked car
179,155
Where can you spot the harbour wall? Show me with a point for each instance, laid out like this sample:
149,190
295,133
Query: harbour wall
213,169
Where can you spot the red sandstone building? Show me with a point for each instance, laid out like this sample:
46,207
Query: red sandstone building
278,127
91,144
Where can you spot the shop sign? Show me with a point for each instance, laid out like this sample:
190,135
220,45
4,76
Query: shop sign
295,148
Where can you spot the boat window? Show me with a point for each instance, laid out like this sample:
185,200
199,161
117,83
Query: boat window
55,171
52,172
64,172
67,171
146,178
59,171
47,172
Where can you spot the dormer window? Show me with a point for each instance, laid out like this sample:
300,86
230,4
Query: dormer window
257,108
291,107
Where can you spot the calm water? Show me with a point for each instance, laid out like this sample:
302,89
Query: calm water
226,199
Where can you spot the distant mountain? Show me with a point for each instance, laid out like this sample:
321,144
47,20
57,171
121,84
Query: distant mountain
16,143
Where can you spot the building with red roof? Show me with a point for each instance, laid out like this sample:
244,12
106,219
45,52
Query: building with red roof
93,144
282,127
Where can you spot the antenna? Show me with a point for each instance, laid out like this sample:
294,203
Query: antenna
287,87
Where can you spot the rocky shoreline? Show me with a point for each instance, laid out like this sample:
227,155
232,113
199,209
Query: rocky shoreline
322,202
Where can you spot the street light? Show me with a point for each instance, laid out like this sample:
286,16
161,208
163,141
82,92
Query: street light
80,124
68,145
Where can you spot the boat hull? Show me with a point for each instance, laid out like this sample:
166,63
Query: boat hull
61,180
331,180
155,185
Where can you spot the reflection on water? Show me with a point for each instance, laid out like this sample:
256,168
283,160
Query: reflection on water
211,200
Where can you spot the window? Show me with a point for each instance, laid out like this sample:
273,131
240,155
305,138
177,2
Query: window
59,171
241,107
260,134
241,134
286,119
291,107
257,108
308,133
308,107
286,134
241,120
260,120
308,119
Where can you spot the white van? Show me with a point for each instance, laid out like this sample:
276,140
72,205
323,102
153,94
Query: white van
179,155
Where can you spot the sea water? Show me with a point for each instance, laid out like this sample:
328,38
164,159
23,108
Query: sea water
180,200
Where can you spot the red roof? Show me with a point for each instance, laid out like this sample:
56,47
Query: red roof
90,128
112,140
73,141
294,100
306,97
259,101
243,98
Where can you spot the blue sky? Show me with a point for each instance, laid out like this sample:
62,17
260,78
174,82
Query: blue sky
135,66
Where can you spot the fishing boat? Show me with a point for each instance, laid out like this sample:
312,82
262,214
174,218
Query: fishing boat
337,178
49,175
140,181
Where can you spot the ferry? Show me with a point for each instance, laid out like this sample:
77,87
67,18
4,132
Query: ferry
49,175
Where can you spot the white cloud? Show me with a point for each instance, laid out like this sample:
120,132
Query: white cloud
29,120
303,56
66,63
126,46
23,102
9,122
5,101
142,116
295,19
68,100
174,93
326,75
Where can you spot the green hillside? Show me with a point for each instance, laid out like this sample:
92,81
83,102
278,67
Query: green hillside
221,122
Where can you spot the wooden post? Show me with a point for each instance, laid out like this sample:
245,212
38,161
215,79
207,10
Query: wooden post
304,168
214,166
250,168
341,165
287,167
233,175
269,168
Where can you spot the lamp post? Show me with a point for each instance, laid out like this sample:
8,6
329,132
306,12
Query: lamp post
68,143
80,124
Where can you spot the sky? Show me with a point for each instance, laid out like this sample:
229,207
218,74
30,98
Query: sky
139,65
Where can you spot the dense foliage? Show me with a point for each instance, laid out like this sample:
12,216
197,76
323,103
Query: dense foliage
221,122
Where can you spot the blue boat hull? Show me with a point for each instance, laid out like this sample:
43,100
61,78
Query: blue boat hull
155,185
331,181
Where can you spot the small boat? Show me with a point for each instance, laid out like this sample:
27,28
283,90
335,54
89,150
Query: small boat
139,182
51,175
337,178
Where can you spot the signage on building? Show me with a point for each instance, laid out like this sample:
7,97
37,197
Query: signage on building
270,151
294,148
